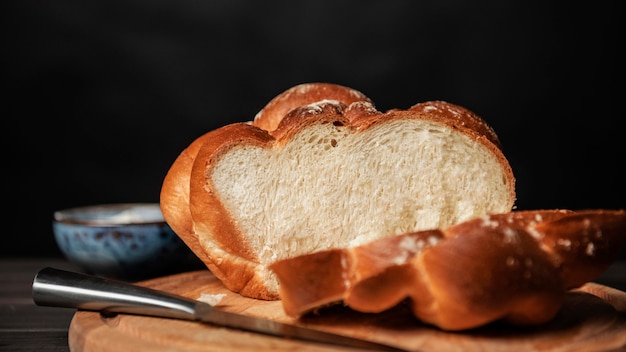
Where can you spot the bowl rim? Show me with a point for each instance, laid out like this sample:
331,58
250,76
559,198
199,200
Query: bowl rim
72,215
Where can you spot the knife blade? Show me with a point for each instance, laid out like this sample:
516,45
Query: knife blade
60,288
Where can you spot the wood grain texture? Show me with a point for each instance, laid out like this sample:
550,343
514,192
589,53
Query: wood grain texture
585,323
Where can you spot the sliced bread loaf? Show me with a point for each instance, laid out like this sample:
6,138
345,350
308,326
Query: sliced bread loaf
319,168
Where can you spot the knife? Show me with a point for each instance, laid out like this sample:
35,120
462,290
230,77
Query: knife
59,288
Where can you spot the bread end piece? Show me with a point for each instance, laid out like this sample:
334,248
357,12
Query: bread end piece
511,267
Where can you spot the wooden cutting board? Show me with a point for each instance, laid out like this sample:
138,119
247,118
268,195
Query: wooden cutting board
586,323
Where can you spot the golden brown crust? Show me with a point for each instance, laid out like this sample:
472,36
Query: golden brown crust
458,116
174,197
318,280
303,94
513,267
481,273
586,243
302,117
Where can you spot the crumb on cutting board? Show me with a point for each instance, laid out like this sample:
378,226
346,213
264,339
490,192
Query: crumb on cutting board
212,299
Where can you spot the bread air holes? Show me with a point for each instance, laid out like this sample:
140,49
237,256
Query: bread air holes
327,142
328,139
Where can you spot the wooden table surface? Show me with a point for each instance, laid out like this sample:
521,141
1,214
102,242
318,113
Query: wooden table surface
25,326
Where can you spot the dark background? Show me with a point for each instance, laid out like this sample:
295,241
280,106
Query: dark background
100,97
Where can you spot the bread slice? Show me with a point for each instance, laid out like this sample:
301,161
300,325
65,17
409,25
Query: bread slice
333,172
515,266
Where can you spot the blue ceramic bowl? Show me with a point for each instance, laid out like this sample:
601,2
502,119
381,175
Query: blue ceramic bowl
129,241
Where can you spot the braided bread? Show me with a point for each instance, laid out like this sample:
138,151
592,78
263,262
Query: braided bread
514,267
320,167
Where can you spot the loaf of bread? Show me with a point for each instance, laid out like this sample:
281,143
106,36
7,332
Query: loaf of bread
515,267
320,168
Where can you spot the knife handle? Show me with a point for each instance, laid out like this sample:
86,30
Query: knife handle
59,288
